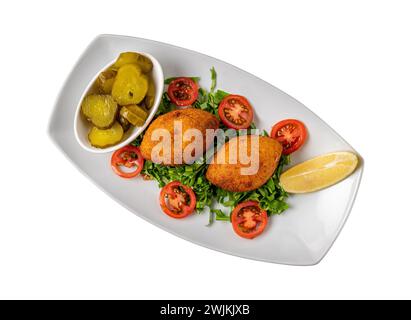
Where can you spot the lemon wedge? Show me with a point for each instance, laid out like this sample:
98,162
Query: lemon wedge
319,172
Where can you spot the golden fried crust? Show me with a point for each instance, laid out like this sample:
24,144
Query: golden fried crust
190,118
228,176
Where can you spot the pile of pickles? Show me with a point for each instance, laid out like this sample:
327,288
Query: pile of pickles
121,97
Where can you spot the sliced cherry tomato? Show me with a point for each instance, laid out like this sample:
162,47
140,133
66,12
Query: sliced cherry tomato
248,219
177,200
183,91
129,157
236,112
291,133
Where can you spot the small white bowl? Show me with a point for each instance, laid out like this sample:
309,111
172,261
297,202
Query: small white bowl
82,126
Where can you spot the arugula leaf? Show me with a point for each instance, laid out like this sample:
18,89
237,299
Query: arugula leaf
165,105
220,95
189,175
213,79
220,215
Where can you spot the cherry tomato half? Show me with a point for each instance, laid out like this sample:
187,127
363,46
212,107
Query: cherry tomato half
183,91
177,200
129,157
236,112
248,219
291,133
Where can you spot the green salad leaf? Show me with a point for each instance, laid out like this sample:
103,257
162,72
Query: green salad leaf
213,79
271,195
190,175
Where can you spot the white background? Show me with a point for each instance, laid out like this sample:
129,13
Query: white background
349,61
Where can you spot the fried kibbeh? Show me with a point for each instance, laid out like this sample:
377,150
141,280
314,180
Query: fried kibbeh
231,177
171,122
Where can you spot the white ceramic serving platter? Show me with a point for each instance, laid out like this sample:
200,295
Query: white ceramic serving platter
300,236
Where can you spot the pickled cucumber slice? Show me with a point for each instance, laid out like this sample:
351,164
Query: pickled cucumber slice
130,85
123,122
137,110
151,92
134,58
105,138
134,114
100,110
105,81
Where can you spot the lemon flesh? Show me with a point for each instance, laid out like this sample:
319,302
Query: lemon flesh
319,172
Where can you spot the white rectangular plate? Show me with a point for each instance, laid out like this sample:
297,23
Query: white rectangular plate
300,236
